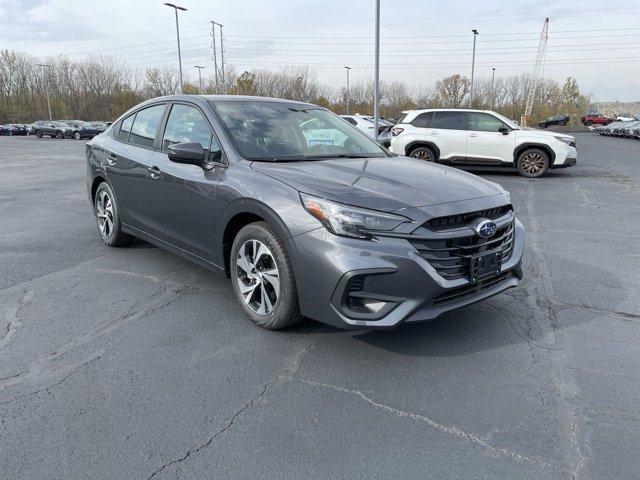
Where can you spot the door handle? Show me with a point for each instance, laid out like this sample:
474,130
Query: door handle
473,134
433,132
111,158
154,172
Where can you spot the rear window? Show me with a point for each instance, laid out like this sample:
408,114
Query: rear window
125,128
449,121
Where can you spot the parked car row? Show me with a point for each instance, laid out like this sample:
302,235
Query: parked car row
628,129
11,129
68,129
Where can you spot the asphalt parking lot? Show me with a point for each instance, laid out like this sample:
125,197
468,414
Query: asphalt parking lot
133,363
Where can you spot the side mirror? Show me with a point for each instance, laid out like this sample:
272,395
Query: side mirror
504,130
194,154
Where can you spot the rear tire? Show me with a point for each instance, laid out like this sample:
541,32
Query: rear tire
262,277
423,153
533,163
77,136
59,134
588,123
107,215
38,134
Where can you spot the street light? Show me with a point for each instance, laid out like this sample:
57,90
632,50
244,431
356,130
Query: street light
376,87
176,8
347,68
473,66
46,87
199,76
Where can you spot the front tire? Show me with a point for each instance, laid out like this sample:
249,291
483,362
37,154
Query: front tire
77,136
262,277
38,134
423,153
108,217
59,134
533,163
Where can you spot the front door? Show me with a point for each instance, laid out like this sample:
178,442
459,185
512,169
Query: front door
180,206
486,145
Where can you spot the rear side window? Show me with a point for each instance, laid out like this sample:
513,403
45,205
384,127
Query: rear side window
423,120
125,128
145,126
483,122
449,121
352,121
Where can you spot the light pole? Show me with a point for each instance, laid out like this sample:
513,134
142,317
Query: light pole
46,86
347,68
199,77
376,87
473,66
493,90
176,8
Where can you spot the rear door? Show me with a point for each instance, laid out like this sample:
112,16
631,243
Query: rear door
127,159
181,197
486,145
448,132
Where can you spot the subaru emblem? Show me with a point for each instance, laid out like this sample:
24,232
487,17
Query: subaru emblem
486,229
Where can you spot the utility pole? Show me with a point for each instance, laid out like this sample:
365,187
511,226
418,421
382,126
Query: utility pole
347,68
176,8
215,54
376,87
200,77
224,83
473,66
46,86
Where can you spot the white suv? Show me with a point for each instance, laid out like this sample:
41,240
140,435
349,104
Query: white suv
480,138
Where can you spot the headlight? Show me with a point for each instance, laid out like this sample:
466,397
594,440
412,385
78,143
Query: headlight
568,141
347,221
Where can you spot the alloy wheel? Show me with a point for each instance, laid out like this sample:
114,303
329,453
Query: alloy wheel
258,276
422,154
532,163
104,212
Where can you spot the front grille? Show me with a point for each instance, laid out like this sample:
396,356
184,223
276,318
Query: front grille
451,257
462,220
467,290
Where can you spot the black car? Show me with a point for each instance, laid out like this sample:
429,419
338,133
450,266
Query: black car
561,120
53,129
89,130
11,129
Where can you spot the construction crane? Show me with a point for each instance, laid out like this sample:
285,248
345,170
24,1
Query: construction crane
538,68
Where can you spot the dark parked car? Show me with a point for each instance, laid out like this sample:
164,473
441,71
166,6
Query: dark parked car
12,129
89,130
561,120
305,213
54,129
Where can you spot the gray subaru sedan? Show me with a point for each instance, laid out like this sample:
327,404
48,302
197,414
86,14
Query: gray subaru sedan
307,215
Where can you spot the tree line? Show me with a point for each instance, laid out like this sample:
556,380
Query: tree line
102,88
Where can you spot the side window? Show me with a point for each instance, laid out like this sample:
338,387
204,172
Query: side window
449,120
187,125
423,120
145,125
483,122
125,128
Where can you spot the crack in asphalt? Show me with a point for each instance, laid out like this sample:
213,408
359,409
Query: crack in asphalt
14,324
438,426
284,377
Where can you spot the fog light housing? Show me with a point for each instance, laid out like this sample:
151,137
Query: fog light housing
352,299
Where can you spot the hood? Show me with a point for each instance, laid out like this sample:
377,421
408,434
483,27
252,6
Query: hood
545,133
386,184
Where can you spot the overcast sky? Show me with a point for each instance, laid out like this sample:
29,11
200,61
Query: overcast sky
595,41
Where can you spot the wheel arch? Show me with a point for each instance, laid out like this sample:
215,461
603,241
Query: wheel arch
422,143
239,214
94,185
531,145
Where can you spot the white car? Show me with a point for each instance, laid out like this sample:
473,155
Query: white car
366,124
480,138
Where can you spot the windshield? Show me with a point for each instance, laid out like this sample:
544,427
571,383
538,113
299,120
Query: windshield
274,131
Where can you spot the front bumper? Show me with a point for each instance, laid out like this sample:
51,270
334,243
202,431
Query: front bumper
389,275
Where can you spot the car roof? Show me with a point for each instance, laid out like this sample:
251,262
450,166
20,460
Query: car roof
228,98
425,110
